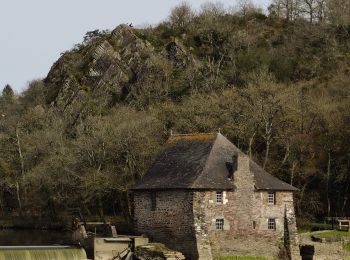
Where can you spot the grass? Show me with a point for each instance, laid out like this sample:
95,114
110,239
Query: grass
335,233
346,246
242,258
312,226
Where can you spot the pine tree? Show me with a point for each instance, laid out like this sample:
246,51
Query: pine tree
7,94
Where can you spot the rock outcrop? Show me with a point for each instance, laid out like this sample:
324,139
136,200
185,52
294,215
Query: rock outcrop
107,68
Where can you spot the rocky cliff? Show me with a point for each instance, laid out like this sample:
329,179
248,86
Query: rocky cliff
112,68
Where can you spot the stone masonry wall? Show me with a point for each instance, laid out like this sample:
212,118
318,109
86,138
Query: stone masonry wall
239,236
185,220
245,213
283,213
172,221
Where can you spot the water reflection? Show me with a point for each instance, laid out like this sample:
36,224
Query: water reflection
34,237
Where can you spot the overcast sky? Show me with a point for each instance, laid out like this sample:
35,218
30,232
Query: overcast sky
33,33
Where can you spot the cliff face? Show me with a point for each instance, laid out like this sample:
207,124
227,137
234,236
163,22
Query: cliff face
110,68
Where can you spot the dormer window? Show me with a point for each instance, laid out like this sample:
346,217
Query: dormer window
271,198
219,197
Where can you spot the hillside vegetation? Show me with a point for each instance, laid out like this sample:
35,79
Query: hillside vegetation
277,85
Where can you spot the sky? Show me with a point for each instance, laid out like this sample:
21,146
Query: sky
34,33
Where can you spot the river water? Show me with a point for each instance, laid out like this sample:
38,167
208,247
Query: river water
23,237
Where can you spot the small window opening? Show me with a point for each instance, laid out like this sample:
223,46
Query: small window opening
153,201
219,197
219,224
254,224
271,198
271,224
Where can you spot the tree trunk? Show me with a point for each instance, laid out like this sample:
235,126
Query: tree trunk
301,194
268,137
251,141
346,193
266,154
20,152
286,155
100,206
327,187
345,201
19,149
292,174
19,201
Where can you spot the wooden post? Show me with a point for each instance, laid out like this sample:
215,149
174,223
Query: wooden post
344,223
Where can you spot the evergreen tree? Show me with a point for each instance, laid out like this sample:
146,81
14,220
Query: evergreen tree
7,94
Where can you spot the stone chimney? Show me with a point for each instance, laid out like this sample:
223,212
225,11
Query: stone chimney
244,193
242,162
243,177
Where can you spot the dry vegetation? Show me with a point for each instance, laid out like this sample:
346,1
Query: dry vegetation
277,85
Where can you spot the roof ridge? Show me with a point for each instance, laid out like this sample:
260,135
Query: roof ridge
206,162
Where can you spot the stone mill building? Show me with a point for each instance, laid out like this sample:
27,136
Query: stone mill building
204,197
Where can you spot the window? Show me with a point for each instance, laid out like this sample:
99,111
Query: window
153,201
271,224
219,197
271,198
219,224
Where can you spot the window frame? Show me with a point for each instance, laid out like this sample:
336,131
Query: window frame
271,224
219,197
219,224
271,200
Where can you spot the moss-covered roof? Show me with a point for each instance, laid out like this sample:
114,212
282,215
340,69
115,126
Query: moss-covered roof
202,161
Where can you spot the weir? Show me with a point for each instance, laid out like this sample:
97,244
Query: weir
42,252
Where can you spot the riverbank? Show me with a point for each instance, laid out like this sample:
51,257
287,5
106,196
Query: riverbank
59,224
30,237
32,222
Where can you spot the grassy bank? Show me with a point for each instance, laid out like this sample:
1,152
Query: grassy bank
313,226
334,233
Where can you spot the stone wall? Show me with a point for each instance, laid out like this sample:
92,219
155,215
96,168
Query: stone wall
172,221
240,236
185,220
245,213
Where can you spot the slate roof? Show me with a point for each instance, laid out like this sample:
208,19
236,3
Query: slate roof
202,161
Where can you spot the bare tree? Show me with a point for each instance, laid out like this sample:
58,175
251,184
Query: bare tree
321,8
246,7
309,8
181,16
338,12
287,9
263,107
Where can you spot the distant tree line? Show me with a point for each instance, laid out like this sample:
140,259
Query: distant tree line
276,84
